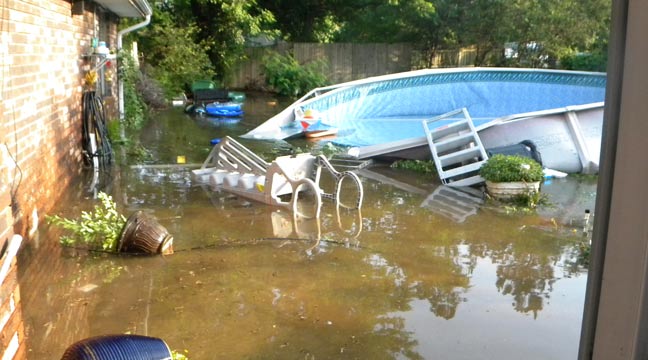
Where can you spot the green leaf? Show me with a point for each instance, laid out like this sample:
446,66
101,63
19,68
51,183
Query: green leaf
511,168
98,229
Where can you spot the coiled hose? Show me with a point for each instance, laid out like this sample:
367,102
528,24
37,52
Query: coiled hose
94,122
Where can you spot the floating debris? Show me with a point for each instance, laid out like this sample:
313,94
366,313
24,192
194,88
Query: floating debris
87,288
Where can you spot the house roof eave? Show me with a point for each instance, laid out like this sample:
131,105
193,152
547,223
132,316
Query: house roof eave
127,8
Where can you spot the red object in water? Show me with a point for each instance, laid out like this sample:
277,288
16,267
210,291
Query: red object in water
304,124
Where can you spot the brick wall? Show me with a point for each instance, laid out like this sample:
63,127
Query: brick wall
41,73
42,84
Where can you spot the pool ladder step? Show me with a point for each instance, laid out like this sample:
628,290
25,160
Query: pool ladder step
455,203
457,151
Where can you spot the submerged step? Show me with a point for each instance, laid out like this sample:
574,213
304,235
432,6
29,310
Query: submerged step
469,181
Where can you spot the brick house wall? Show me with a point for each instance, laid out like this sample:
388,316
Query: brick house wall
42,69
42,85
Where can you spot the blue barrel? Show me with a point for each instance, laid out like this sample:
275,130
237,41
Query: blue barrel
118,347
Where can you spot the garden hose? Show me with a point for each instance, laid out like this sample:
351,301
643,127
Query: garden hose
94,122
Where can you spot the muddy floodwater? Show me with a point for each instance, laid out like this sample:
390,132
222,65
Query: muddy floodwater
421,272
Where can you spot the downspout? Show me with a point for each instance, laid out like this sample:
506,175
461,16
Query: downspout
147,12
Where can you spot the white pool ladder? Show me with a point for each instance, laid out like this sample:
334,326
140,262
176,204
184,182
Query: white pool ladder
236,169
457,151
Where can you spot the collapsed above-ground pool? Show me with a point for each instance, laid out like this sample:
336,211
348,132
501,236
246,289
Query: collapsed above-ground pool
391,108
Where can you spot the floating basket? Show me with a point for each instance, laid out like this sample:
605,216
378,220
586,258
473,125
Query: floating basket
142,234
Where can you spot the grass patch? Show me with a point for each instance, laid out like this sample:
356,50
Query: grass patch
420,166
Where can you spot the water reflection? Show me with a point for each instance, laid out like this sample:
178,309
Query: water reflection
286,225
396,280
217,121
529,283
455,203
570,200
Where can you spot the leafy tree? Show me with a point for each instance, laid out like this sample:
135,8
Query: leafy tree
224,26
174,55
565,25
591,55
429,24
484,24
192,39
543,31
388,21
199,39
359,21
306,20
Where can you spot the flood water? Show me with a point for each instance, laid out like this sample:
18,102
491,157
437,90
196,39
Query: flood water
401,279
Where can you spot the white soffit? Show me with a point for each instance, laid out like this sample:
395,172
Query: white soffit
127,8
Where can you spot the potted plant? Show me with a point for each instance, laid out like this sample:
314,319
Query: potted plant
508,176
106,229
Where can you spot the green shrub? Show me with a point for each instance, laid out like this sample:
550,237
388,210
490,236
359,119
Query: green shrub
287,77
584,62
134,106
99,229
421,166
526,202
510,168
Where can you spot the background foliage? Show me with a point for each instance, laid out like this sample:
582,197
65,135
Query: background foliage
173,53
134,106
289,78
198,39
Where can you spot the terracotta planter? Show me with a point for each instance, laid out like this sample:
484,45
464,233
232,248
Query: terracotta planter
142,234
508,190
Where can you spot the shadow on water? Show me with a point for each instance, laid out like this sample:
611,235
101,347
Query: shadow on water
420,272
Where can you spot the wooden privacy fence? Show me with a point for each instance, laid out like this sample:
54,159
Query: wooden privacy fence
348,61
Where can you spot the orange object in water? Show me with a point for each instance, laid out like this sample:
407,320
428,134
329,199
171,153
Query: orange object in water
321,133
